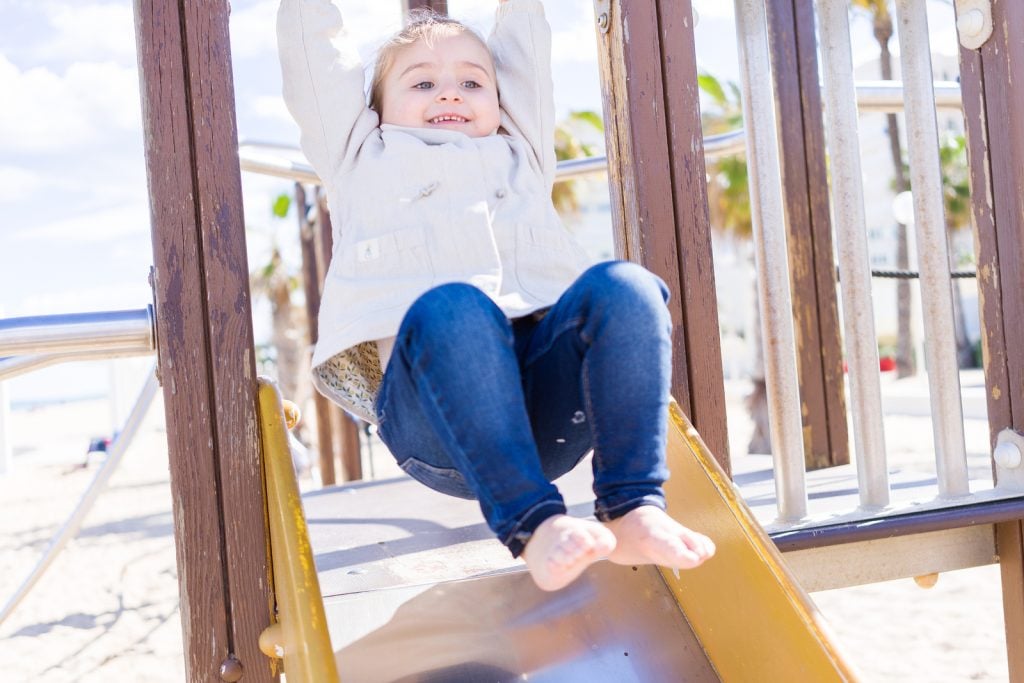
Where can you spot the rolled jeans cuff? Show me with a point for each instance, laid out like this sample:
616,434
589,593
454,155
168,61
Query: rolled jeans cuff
516,539
607,511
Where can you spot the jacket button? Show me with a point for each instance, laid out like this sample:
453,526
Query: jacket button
499,193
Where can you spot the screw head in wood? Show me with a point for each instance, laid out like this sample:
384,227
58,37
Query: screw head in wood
231,670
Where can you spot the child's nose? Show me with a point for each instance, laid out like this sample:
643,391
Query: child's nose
449,93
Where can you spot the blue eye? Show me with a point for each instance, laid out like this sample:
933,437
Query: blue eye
424,85
472,85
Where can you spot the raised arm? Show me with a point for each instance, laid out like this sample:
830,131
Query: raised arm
521,45
323,83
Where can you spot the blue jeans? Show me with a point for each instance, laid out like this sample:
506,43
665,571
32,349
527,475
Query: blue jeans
475,405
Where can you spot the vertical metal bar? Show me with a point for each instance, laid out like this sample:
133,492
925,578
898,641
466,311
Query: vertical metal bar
852,242
932,251
771,255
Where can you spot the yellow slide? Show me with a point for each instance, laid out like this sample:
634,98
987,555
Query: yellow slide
416,590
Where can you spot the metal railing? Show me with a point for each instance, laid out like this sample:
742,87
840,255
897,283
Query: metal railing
31,343
843,100
872,96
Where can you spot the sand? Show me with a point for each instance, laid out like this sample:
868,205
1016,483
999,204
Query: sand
107,610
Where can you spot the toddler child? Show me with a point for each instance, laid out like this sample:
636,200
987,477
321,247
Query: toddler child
458,313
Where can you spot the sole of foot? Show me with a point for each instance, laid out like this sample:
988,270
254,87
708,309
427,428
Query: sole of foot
562,547
647,535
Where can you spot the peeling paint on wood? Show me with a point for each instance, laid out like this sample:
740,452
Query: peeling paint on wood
205,343
657,187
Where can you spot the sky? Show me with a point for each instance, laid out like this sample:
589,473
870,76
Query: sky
74,217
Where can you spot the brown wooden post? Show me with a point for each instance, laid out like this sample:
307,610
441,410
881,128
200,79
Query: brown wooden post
658,186
311,283
349,446
809,237
439,6
201,289
993,97
344,427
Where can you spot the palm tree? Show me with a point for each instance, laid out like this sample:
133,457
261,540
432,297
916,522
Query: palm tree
569,145
882,27
729,208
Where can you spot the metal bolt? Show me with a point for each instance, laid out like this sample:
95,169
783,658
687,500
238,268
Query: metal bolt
1007,455
603,22
971,22
231,670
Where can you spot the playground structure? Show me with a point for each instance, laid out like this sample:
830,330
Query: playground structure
657,182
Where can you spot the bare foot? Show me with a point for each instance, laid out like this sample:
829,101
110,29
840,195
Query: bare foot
647,535
562,547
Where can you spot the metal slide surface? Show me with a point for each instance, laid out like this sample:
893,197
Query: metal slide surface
416,590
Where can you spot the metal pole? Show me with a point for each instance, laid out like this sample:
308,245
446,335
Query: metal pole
772,260
117,332
852,243
19,365
933,250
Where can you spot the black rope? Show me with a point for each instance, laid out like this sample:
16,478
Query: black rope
912,275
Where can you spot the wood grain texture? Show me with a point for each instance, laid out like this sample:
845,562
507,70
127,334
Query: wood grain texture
809,232
658,186
993,97
693,225
205,333
1010,546
439,6
311,284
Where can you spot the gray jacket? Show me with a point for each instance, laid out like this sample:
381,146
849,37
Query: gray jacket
415,208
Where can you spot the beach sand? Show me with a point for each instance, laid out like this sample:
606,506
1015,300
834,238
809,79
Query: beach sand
107,610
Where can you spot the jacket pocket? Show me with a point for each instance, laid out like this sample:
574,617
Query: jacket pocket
400,253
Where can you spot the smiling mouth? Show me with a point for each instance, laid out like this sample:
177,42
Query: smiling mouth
449,118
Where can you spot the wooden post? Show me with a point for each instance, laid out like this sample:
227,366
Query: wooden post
811,260
312,282
993,97
659,190
207,368
345,428
439,6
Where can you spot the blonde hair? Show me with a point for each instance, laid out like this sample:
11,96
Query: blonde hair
424,24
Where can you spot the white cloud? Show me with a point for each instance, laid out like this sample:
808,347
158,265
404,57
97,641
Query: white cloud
46,111
126,220
253,29
270,107
18,184
96,32
575,43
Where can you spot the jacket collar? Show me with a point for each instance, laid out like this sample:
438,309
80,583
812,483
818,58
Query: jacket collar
430,136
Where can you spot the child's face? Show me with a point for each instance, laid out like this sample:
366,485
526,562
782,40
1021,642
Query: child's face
449,85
